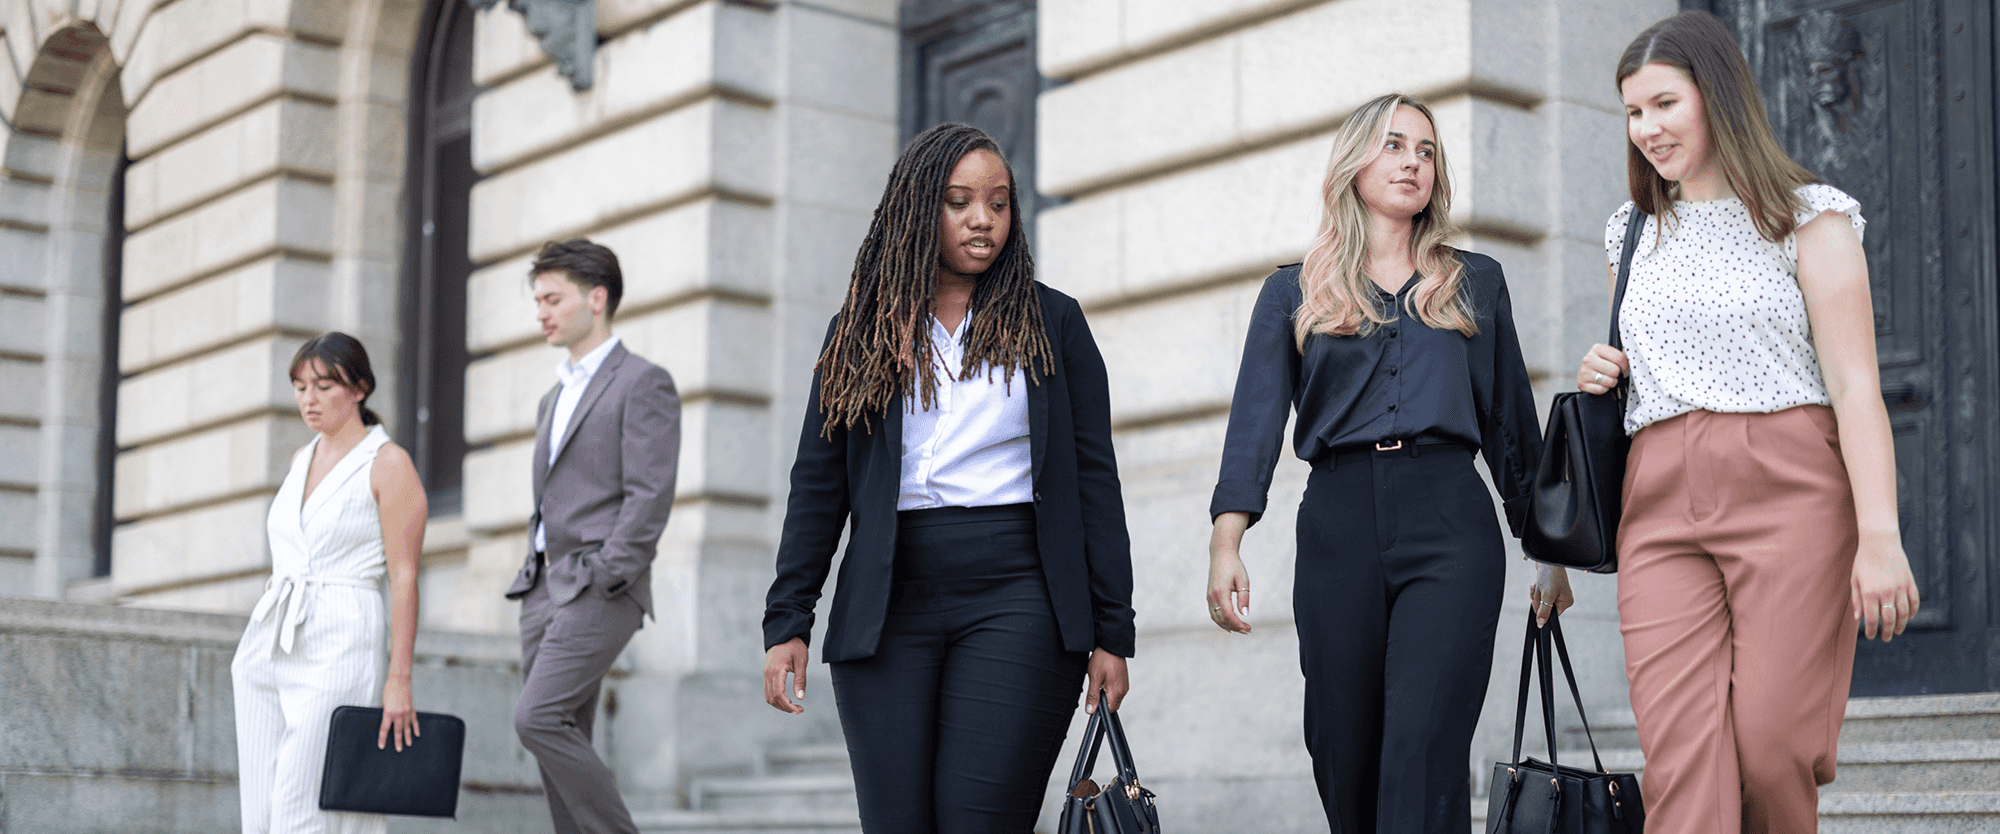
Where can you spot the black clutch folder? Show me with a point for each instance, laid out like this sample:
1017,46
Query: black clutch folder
420,781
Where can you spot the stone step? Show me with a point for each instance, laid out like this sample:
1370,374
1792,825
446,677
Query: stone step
1868,721
1909,813
696,822
822,759
1609,728
1975,812
1921,718
1893,768
1903,767
795,794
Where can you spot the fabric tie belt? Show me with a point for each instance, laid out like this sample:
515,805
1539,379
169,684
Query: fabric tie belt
286,597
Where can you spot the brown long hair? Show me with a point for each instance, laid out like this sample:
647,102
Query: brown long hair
1756,167
1336,295
881,346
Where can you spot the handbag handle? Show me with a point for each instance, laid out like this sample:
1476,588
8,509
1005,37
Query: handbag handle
1537,645
1529,649
1562,652
1104,722
1086,756
1121,753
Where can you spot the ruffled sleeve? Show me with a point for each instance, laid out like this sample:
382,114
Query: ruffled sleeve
1820,198
1614,233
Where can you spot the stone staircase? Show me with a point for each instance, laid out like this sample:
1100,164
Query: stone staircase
1910,765
803,790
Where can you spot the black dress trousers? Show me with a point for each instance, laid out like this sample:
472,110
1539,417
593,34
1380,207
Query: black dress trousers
1397,594
955,722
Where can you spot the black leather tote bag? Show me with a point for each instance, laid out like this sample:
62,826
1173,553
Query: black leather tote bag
1573,508
420,781
1121,807
1530,796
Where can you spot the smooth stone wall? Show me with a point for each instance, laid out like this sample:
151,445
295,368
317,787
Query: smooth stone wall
121,719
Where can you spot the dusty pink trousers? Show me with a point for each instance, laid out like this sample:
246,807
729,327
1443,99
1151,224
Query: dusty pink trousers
1735,561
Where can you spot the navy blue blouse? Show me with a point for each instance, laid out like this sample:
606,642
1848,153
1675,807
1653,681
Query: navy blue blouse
1403,380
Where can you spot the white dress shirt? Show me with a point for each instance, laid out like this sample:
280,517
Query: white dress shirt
575,377
971,450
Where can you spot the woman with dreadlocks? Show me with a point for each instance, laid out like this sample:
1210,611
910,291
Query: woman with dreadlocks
1398,353
959,428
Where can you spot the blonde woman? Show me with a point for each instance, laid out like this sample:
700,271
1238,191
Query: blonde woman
1399,355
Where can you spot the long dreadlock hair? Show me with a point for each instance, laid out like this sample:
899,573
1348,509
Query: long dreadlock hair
881,346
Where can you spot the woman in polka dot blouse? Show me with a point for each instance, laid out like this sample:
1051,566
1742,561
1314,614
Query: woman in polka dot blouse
1760,493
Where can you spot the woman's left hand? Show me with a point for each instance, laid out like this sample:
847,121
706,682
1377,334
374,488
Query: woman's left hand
399,716
1884,593
1550,593
1107,672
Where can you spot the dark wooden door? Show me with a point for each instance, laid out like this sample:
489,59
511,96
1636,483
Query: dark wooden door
1893,102
973,61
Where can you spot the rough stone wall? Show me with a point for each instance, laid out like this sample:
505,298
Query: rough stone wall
120,719
1223,113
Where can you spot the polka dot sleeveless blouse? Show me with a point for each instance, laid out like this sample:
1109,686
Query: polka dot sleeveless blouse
1713,317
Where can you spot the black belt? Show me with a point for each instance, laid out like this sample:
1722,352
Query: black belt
959,515
1393,447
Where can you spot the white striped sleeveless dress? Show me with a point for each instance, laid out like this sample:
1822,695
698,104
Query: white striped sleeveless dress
316,640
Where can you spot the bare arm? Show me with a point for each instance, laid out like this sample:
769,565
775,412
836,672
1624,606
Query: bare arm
1833,274
399,495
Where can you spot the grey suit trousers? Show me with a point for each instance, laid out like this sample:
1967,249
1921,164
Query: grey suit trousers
565,651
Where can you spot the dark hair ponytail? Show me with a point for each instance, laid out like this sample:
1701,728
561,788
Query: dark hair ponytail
343,357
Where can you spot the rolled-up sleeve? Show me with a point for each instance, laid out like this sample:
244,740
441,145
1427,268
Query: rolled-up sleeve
1261,403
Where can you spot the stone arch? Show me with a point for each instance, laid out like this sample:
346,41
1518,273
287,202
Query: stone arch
373,104
64,156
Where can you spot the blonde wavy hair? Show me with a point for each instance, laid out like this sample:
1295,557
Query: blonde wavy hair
1334,280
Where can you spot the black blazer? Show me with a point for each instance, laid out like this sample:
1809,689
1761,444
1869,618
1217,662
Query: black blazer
854,479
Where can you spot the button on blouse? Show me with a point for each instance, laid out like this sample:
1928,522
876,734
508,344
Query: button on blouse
1403,380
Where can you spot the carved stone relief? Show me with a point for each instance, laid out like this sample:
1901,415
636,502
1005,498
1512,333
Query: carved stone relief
567,30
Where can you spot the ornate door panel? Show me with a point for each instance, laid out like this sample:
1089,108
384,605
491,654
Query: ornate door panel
1892,101
973,61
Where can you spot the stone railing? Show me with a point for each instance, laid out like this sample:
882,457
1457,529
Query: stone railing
120,719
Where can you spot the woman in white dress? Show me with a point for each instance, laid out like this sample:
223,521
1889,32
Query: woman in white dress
351,511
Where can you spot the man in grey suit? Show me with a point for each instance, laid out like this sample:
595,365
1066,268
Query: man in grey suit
607,444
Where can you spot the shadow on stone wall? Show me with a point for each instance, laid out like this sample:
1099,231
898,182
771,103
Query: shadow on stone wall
120,720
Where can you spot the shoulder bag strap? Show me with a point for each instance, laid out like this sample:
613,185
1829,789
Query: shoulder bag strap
1633,226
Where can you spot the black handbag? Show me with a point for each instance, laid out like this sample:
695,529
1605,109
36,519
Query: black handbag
1529,796
1573,507
1121,807
420,781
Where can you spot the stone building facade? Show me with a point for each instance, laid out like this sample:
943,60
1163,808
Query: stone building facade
190,188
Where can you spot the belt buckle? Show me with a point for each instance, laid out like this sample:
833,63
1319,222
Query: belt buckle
1388,445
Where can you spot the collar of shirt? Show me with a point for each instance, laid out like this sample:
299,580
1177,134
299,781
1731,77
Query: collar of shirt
580,372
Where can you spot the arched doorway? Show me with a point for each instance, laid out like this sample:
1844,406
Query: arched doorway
60,355
436,265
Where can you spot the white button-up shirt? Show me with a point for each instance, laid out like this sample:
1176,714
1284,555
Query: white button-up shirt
575,377
971,450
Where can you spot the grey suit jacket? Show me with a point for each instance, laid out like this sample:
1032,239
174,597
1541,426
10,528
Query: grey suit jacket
606,496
